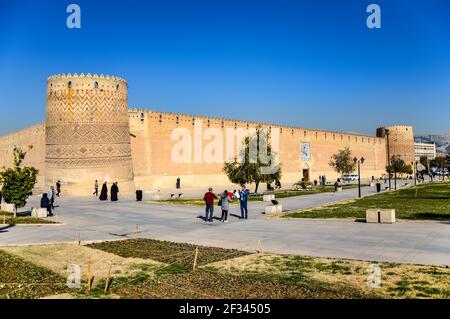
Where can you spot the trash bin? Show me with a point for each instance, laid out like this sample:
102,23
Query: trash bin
378,187
139,195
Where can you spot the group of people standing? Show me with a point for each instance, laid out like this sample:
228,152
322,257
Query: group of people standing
225,199
104,191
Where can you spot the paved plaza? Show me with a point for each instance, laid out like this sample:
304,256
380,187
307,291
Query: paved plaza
406,242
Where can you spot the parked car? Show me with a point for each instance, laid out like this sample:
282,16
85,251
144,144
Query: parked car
349,178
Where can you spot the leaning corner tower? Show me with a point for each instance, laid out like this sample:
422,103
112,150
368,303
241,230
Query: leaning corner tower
401,141
87,133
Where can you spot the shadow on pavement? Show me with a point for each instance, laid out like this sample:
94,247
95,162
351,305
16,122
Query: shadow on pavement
4,229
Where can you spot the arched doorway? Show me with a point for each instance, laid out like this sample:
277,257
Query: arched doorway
306,172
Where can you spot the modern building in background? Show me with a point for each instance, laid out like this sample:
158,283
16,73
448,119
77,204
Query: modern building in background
90,134
427,150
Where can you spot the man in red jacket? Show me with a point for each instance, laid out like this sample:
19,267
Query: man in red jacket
209,201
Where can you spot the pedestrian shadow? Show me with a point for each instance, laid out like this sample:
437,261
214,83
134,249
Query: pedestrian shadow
237,216
4,229
23,213
204,218
120,235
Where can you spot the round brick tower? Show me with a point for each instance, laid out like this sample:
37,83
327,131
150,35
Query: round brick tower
401,141
87,133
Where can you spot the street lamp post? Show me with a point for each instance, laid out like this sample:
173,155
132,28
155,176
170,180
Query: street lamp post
359,161
395,173
414,167
389,156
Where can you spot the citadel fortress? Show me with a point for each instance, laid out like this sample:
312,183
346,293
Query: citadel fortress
90,133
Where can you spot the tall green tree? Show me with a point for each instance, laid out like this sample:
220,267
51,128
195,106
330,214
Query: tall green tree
440,162
18,181
399,166
252,168
342,162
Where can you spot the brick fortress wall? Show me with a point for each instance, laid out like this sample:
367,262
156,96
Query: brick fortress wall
154,167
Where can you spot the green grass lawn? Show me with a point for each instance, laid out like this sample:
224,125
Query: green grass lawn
431,203
9,219
278,194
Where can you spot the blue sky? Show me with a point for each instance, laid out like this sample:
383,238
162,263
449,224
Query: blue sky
302,63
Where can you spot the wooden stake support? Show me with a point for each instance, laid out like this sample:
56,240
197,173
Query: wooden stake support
260,249
78,239
89,274
137,230
4,219
108,280
195,259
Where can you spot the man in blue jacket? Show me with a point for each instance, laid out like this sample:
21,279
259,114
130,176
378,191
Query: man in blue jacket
243,202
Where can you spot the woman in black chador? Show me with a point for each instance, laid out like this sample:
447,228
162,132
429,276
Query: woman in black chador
114,191
104,192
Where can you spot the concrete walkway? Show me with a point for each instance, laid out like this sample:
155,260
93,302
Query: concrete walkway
406,242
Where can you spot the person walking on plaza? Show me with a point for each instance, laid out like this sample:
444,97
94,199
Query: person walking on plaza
95,188
58,188
243,196
178,184
45,203
104,192
51,196
225,204
209,198
114,192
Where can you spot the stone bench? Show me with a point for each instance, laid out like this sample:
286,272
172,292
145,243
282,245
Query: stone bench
273,209
39,212
9,208
268,197
384,216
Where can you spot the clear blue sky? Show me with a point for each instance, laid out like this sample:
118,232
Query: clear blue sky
303,63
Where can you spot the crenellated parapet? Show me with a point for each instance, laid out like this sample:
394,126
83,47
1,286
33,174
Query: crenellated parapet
169,118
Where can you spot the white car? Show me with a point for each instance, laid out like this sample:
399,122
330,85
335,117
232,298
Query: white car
349,178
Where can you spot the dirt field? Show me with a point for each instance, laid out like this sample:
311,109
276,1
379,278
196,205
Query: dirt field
58,256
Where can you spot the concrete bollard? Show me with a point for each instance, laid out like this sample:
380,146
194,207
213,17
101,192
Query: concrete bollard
387,216
372,215
274,209
39,212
